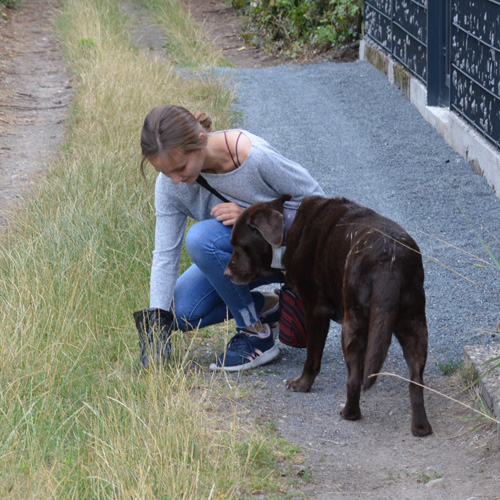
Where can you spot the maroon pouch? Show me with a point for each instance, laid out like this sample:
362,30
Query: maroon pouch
292,319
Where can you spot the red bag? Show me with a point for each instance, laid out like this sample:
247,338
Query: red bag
292,319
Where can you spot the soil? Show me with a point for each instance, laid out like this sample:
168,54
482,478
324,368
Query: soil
35,92
375,457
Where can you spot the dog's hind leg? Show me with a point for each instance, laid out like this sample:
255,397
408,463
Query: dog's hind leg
412,336
317,331
354,349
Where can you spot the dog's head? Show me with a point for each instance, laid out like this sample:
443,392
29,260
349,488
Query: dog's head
256,231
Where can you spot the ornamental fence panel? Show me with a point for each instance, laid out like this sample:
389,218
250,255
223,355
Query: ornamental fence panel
451,46
475,64
400,28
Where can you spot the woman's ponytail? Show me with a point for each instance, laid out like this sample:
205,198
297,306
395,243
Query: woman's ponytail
204,120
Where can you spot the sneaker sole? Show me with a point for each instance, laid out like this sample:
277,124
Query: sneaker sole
266,357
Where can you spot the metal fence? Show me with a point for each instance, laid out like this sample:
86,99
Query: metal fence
452,46
475,64
400,28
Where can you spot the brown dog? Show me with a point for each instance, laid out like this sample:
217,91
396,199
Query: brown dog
354,266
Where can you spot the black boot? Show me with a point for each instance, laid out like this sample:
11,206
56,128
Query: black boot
154,327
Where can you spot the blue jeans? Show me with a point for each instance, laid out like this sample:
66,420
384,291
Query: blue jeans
203,295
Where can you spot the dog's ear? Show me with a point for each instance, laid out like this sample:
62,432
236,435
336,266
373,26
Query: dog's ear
278,203
270,225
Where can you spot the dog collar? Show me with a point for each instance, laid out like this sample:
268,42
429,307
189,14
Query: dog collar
276,263
289,212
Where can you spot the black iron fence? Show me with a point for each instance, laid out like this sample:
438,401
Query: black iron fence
475,64
400,28
452,46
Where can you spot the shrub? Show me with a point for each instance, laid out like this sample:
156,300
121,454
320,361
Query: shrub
10,4
290,26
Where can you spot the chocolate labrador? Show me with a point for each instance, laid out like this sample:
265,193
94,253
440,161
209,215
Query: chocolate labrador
351,265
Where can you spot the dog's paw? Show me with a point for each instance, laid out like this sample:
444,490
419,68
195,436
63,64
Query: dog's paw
350,414
298,384
421,430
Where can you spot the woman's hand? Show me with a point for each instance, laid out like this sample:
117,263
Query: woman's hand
227,213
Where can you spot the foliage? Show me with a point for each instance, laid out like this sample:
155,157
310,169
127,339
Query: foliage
295,25
10,4
450,367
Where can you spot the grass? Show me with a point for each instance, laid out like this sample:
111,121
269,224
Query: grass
10,4
450,367
428,477
187,45
77,419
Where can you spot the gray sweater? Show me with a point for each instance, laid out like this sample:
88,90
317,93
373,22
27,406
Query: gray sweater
263,176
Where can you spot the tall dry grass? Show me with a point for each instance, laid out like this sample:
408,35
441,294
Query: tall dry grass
187,44
77,419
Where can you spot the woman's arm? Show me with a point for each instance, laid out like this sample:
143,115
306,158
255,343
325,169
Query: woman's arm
169,235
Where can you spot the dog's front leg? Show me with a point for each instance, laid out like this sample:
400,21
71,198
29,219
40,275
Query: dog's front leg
317,330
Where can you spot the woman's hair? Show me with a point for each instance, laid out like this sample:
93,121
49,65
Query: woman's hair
170,128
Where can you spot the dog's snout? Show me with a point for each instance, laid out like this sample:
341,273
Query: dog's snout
233,273
227,273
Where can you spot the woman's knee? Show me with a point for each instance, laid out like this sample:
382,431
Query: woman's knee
206,237
196,238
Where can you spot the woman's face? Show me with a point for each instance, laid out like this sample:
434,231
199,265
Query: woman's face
180,166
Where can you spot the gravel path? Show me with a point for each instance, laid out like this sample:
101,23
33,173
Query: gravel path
362,139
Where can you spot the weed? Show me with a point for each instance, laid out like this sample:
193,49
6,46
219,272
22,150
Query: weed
468,375
391,477
450,367
10,4
426,477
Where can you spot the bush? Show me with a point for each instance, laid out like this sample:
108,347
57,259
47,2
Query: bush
295,25
10,4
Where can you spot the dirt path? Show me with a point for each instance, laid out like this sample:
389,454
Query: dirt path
376,457
35,92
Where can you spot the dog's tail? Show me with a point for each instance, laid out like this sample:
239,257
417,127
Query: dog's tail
383,315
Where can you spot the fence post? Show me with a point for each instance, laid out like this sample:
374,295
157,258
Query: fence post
438,53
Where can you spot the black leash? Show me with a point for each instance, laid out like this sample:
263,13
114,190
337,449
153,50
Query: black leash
203,182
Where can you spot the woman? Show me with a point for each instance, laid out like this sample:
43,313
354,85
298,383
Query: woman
244,169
